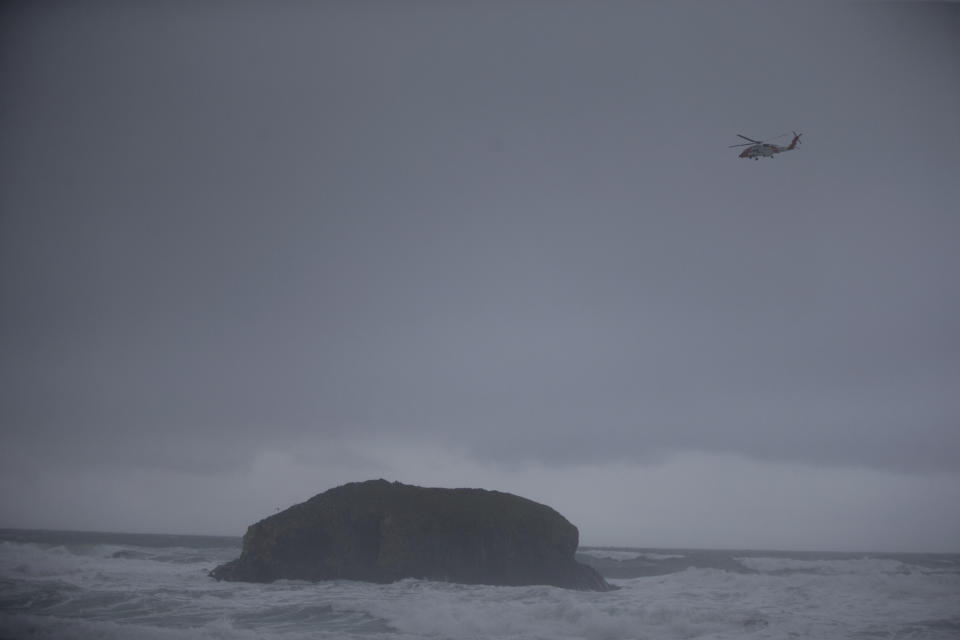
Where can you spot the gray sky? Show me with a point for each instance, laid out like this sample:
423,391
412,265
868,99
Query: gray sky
252,251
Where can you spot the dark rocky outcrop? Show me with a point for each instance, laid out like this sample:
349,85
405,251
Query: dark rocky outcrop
380,531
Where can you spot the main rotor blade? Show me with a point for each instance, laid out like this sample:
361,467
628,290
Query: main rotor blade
745,144
750,139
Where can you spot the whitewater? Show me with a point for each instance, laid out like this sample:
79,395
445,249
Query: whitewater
111,586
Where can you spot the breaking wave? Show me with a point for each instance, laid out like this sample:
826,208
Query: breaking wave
121,587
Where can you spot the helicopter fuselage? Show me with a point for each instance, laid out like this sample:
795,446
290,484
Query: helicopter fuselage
757,149
764,150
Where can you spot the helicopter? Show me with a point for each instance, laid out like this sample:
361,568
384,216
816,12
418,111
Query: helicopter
758,148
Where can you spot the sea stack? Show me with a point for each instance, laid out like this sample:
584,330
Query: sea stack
380,531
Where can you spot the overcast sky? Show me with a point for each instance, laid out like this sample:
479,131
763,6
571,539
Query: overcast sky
249,252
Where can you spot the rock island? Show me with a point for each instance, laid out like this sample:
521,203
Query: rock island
381,531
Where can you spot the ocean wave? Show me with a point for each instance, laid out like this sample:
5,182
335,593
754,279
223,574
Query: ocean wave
434,610
115,590
48,628
626,554
864,566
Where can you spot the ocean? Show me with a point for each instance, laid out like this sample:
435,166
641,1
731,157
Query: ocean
110,586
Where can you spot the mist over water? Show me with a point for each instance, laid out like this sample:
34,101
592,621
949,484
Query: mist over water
111,586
